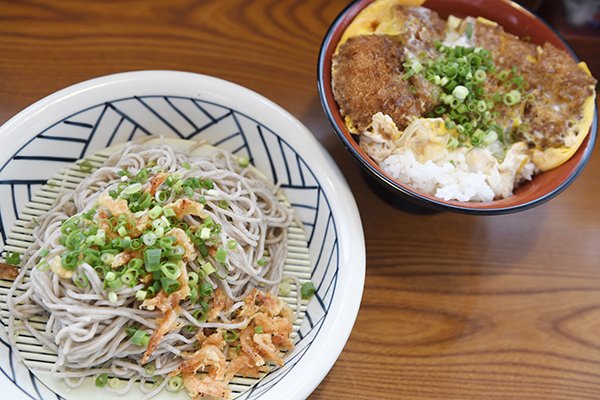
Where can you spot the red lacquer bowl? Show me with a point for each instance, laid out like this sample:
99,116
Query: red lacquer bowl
516,20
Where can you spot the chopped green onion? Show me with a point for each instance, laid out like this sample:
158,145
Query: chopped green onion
190,329
43,266
206,289
169,212
155,212
204,233
480,76
122,231
169,285
149,238
129,277
258,329
101,380
112,297
69,260
285,289
140,338
154,289
452,143
221,255
131,330
114,382
136,244
175,384
166,242
208,268
135,264
232,244
13,258
481,106
186,165
503,75
43,252
177,186
141,295
152,259
307,290
230,336
469,30
192,278
262,262
110,276
80,281
200,315
170,270
125,242
202,249
149,369
161,196
512,98
207,184
133,188
243,161
460,92
178,251
114,285
85,166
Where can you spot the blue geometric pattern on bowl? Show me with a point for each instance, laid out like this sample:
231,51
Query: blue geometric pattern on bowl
94,128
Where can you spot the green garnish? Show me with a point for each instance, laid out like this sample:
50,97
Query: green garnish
140,338
175,384
243,161
206,289
152,259
207,268
85,166
101,380
149,369
307,290
230,336
13,258
221,255
462,73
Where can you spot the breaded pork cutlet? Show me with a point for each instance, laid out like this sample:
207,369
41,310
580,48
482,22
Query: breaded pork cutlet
368,79
558,87
368,72
419,29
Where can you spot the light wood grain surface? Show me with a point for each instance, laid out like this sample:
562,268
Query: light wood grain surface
455,307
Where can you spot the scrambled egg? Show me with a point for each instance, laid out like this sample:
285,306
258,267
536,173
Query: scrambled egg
429,141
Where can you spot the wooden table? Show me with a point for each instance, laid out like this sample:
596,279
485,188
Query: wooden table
455,307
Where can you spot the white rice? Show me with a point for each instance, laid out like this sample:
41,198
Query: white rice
445,180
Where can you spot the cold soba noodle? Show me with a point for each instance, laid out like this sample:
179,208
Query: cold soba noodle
160,266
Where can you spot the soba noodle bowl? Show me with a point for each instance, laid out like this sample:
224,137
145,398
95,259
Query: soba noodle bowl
159,266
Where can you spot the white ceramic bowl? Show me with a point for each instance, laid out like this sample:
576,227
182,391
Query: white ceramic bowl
87,117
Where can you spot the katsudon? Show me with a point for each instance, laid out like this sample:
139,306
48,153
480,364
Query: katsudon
459,108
